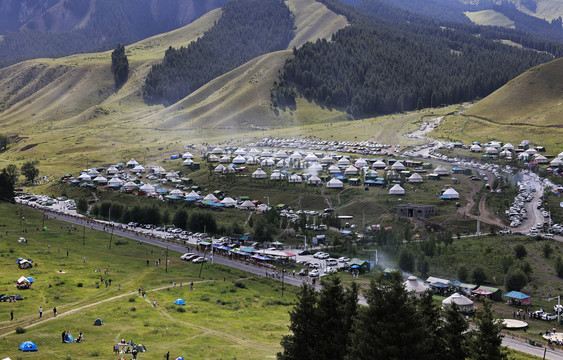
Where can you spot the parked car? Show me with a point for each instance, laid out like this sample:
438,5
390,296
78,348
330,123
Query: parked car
314,273
330,270
343,259
304,252
317,254
548,316
303,272
558,308
314,265
324,256
199,260
332,262
186,256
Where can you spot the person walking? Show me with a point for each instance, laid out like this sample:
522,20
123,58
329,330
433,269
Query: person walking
40,312
168,355
55,311
192,285
11,315
67,253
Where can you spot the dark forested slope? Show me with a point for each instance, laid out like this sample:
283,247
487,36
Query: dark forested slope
74,26
247,29
379,65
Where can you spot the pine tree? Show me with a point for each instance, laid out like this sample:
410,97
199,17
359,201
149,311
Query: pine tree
119,66
6,187
486,342
454,340
331,319
430,316
300,344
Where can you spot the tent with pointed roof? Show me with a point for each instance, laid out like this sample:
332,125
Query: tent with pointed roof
147,188
520,296
266,153
314,180
172,175
283,163
138,169
465,305
225,159
100,180
240,151
412,285
115,181
187,155
508,146
239,160
112,170
333,169
176,192
495,144
98,322
327,160
228,201
556,162
28,346
295,179
252,161
296,156
415,178
280,154
217,151
84,177
334,183
505,154
259,174
130,185
315,168
310,157
247,205
361,163
397,190
475,148
254,152
193,195
277,175
93,172
531,151
132,163
219,169
267,162
210,197
379,165
541,159
212,158
398,166
440,170
450,194
343,161
351,170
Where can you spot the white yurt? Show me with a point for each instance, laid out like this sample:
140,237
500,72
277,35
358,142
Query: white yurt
100,180
267,162
296,156
247,205
210,197
187,155
193,195
531,151
310,157
283,163
84,177
240,151
93,172
379,165
556,162
541,159
475,148
495,144
266,153
239,160
187,162
212,158
334,183
132,163
228,201
157,170
217,151
176,192
524,156
440,170
259,174
130,185
276,176
343,161
225,159
295,179
138,169
315,168
508,146
147,188
412,285
253,161
327,160
398,166
560,156
254,152
465,305
491,150
505,154
229,169
314,180
333,169
451,193
112,170
415,178
351,170
115,181
280,154
219,169
361,163
397,190
172,175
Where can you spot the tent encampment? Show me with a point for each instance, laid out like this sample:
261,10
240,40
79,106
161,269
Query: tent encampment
98,322
179,302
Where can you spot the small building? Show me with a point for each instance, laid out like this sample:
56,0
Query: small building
361,265
415,211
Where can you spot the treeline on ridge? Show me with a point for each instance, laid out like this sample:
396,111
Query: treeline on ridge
380,66
247,29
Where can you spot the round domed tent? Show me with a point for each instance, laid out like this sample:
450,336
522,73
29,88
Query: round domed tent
333,169
465,305
361,163
276,176
475,148
212,158
252,161
450,194
295,179
187,155
266,153
296,156
314,180
315,168
267,162
379,165
240,151
254,152
556,162
239,160
397,190
179,302
440,170
310,157
98,322
343,161
141,348
247,205
398,166
259,174
413,285
217,151
225,159
228,201
219,169
281,154
508,146
210,197
327,160
531,151
491,150
351,170
28,346
334,184
415,178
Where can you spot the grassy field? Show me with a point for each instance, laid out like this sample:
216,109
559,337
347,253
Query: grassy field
489,18
228,314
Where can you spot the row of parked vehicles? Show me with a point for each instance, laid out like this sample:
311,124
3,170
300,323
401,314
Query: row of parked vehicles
194,258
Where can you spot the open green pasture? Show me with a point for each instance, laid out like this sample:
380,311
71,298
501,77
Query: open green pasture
228,314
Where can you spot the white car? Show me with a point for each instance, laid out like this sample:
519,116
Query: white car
199,260
324,256
314,273
330,270
558,308
343,259
332,262
186,256
317,254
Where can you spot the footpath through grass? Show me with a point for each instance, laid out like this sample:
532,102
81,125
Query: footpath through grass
227,314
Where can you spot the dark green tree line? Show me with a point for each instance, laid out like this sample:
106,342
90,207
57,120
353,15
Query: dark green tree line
119,66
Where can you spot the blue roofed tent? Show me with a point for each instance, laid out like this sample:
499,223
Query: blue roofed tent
518,296
179,302
30,279
28,346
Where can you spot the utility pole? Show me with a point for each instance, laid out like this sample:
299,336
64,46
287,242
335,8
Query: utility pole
283,272
111,237
167,259
83,234
558,307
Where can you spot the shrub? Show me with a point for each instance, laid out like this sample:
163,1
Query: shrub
240,284
20,330
80,284
547,250
95,353
559,267
516,280
121,242
204,298
520,251
181,310
478,275
132,299
462,273
133,309
11,250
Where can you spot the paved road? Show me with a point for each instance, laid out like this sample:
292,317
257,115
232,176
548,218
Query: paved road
524,346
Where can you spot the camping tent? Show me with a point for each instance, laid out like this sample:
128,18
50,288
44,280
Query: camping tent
465,305
147,188
518,296
315,168
450,194
212,158
310,157
295,179
415,178
475,148
254,152
314,180
210,197
259,174
327,160
378,165
398,166
413,285
343,161
239,160
217,150
397,190
141,348
508,146
187,155
193,195
247,205
333,169
225,159
351,171
228,201
281,154
440,170
28,346
240,151
179,302
334,184
98,322
267,162
219,169
361,163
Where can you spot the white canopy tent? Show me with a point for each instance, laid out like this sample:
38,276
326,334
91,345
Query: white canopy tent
440,170
398,166
254,152
379,165
361,163
310,157
187,155
397,190
228,201
147,188
343,161
217,151
239,160
280,154
451,193
475,148
327,160
193,195
132,163
115,181
112,170
314,180
219,169
210,197
333,169
176,192
351,170
295,179
240,151
267,162
225,159
276,175
247,205
212,158
412,285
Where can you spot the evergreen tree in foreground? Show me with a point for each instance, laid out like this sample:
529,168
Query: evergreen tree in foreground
119,66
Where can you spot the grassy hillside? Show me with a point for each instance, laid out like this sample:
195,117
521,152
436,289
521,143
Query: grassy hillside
527,107
489,18
65,110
